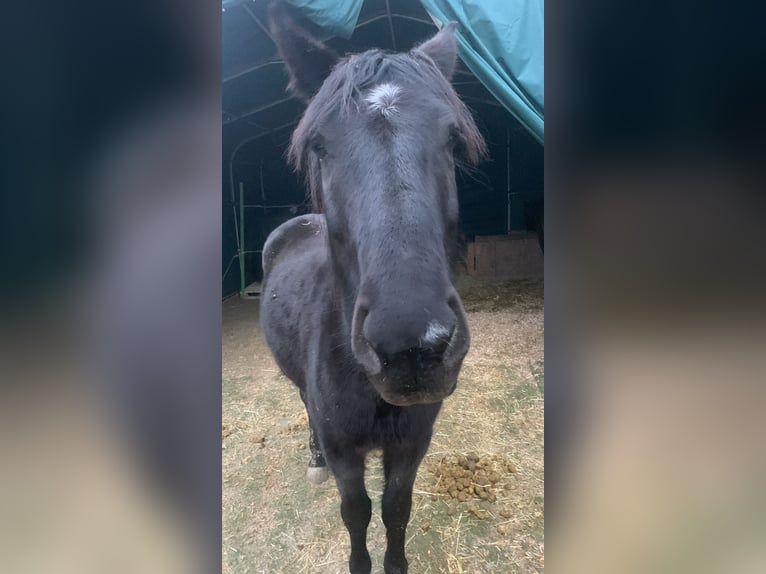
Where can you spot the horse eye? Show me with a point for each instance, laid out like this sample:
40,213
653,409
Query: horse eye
455,138
317,146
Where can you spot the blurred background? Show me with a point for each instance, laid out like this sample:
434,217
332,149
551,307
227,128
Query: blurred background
110,328
655,320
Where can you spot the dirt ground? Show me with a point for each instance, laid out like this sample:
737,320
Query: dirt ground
489,435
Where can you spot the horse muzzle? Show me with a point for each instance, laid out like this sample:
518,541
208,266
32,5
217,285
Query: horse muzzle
422,373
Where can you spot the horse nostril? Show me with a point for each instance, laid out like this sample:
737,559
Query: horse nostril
361,348
434,349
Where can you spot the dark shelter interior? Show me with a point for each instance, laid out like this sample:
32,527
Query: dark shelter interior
503,195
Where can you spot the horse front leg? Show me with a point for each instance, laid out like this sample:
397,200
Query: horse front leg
317,472
400,465
355,506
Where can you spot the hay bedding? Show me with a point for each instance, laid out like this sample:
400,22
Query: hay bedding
491,524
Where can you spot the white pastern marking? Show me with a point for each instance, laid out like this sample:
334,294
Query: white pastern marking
435,332
382,98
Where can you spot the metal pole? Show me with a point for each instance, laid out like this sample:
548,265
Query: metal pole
231,184
391,25
242,239
263,190
508,178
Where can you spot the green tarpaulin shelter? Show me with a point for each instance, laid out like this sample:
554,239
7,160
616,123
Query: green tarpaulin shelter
501,41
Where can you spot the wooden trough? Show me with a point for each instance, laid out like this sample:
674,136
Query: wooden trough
514,256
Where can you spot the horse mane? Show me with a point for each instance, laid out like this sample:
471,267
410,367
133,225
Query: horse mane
343,91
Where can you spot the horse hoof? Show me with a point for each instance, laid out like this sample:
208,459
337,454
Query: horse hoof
317,474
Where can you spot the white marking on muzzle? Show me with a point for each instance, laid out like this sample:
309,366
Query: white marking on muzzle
382,98
435,332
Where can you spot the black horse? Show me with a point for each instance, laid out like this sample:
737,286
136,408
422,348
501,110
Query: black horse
358,305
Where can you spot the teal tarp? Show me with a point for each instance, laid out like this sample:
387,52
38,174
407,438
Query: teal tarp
501,42
337,16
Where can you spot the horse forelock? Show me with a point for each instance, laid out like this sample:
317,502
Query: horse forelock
368,81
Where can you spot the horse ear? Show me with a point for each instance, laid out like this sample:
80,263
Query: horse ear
442,49
308,61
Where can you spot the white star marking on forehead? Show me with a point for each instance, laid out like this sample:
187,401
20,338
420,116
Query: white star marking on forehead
382,98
